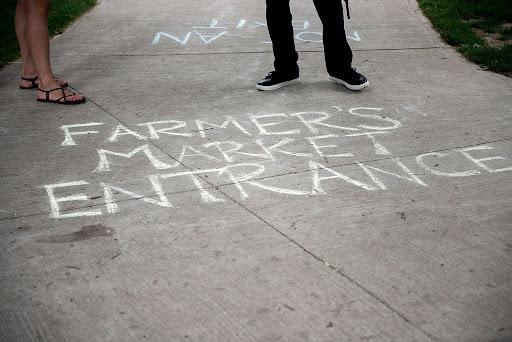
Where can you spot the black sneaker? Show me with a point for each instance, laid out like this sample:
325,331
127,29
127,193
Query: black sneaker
276,80
351,79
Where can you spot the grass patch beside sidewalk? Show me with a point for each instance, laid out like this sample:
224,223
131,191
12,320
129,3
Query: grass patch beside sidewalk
62,13
480,29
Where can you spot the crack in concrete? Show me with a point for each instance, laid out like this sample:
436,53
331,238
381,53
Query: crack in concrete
241,52
337,270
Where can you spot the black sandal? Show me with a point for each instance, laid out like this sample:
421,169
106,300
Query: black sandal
63,97
33,80
35,83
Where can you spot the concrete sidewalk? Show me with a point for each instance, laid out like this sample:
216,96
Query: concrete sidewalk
180,204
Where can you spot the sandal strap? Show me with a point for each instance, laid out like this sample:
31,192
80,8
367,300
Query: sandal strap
47,92
64,96
31,79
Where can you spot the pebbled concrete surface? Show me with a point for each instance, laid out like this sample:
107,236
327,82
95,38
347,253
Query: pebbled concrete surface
390,220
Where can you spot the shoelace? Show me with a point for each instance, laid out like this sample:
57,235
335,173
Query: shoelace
348,10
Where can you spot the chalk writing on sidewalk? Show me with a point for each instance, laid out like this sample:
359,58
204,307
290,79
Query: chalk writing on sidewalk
207,34
311,140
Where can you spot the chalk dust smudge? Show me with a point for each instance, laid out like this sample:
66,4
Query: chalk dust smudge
85,233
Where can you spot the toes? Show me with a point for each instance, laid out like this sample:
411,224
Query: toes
75,98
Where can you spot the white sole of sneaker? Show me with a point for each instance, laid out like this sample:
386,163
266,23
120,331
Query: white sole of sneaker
277,86
350,86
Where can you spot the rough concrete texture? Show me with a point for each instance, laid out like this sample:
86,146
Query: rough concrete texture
313,214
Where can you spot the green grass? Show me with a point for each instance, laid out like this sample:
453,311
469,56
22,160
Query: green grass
456,21
489,25
505,34
62,13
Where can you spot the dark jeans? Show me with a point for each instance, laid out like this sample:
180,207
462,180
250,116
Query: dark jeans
338,55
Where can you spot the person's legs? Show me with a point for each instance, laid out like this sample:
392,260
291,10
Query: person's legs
28,69
36,30
338,55
27,64
37,37
280,29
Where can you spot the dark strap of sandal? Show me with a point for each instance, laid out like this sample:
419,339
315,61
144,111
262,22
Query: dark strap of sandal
64,96
31,79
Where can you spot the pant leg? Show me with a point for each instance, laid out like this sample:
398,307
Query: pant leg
338,55
279,22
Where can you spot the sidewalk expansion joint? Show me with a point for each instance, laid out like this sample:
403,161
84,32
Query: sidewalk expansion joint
242,52
337,270
375,160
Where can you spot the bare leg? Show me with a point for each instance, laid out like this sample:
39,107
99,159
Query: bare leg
39,47
37,34
28,68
